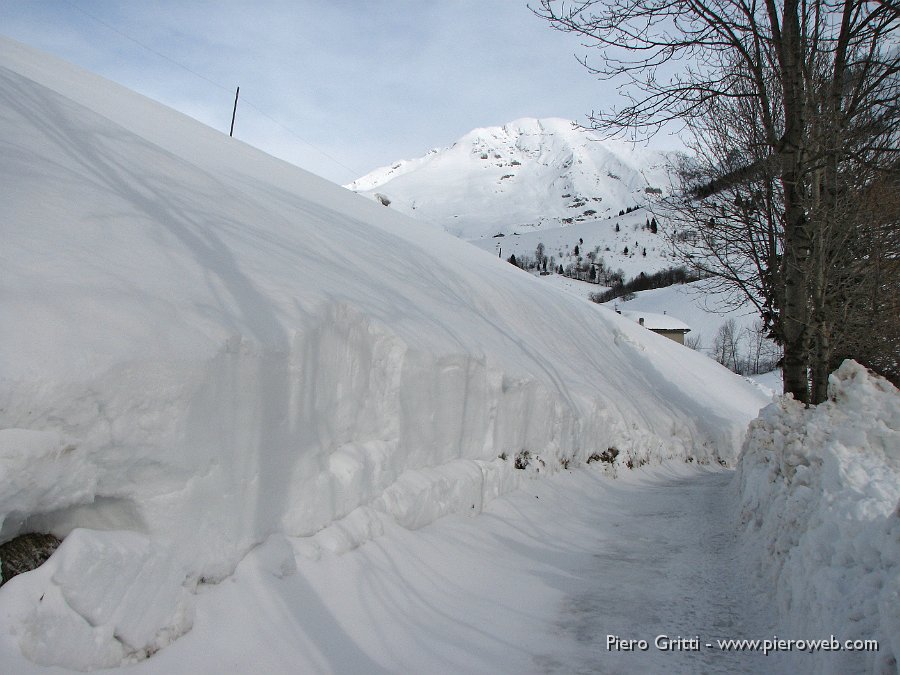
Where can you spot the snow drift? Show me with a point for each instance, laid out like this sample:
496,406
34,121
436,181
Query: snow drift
820,509
203,347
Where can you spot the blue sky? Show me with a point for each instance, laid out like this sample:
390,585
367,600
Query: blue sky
338,87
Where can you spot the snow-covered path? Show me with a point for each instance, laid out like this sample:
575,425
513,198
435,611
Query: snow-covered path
665,565
533,585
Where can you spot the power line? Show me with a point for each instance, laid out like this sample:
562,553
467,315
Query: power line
355,173
142,45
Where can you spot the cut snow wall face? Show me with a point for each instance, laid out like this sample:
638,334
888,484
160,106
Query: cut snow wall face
188,466
214,457
103,599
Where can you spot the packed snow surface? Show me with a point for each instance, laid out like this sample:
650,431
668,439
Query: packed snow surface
535,584
820,511
204,349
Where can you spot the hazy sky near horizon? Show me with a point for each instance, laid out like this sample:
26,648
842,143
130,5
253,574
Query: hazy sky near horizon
338,87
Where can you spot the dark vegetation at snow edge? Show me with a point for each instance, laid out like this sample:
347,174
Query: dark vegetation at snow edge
25,553
644,282
524,459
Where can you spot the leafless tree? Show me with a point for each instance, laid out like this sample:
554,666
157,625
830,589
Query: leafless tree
726,345
694,341
762,354
792,107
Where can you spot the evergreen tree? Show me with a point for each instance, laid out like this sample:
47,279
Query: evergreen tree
512,260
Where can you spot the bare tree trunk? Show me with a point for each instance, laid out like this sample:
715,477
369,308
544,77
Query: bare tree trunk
795,314
797,241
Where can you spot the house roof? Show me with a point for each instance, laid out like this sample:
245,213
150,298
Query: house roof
657,321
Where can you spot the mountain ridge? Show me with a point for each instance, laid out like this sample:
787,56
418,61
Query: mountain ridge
528,174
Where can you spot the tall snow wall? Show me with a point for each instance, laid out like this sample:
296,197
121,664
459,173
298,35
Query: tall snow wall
202,346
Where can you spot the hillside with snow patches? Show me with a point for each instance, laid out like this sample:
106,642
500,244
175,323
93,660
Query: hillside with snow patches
529,174
631,249
205,350
466,189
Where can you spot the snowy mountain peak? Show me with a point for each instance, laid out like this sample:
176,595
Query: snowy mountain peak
524,175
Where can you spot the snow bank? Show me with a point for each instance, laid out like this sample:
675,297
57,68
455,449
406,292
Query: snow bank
203,347
820,510
106,598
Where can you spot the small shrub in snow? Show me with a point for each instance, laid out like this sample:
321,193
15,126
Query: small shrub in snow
25,553
523,459
609,455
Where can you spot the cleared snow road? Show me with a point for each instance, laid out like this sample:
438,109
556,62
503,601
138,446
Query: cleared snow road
535,584
666,571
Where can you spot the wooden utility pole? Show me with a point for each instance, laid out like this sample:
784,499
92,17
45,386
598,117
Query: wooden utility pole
234,112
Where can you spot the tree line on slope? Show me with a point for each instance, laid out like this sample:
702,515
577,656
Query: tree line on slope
645,282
